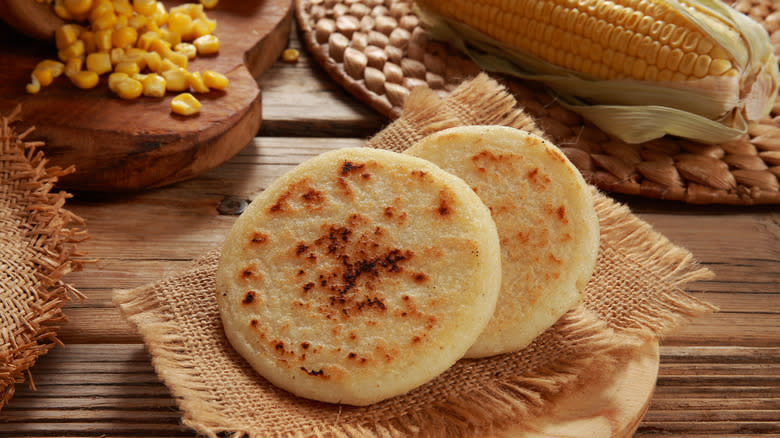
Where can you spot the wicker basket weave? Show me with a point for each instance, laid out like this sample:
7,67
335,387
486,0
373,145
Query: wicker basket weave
378,51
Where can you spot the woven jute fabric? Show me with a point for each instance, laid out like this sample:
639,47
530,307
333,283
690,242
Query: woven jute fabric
38,246
635,294
379,51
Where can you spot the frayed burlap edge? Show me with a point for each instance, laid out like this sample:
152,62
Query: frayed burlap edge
667,262
531,393
54,232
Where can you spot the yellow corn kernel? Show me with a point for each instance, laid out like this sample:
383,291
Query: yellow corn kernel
197,84
136,55
34,86
75,50
160,16
61,11
73,66
186,49
137,22
145,7
152,26
66,35
103,40
99,62
123,7
114,79
185,104
128,67
180,23
290,55
194,10
121,21
159,46
165,65
208,4
176,79
177,58
154,85
145,40
56,67
78,8
139,77
207,44
84,79
105,21
153,60
116,55
124,37
44,76
215,80
170,36
201,27
100,8
90,43
129,88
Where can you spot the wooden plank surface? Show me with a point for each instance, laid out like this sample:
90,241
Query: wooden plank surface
719,376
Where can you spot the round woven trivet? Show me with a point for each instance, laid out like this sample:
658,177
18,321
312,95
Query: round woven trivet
38,240
378,51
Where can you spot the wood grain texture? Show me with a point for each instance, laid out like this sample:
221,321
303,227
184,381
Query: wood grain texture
718,377
129,145
31,18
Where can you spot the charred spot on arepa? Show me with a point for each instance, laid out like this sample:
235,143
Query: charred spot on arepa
561,214
395,212
315,373
301,248
556,155
250,272
312,196
299,195
249,297
420,175
419,277
349,167
354,260
257,238
537,177
280,204
446,203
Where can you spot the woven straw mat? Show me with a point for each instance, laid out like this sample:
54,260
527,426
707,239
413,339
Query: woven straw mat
378,51
37,247
634,295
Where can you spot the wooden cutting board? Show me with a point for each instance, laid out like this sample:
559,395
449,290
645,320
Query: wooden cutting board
605,407
119,145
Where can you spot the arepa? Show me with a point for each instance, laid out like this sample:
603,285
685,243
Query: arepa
358,275
546,222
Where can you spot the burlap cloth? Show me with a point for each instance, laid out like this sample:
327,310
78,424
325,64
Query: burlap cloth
634,294
38,238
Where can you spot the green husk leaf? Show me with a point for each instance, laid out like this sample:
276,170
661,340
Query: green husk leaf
707,110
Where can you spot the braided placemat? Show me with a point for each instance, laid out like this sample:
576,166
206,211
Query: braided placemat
38,240
378,51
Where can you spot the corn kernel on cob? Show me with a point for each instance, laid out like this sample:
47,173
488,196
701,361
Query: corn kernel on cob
638,69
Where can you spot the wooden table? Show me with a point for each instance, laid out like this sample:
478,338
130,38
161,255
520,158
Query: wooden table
718,376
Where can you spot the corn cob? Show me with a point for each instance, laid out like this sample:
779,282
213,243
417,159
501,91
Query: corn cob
639,69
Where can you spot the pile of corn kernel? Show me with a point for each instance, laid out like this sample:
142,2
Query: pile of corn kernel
143,48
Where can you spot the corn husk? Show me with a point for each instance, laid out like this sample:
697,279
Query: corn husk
709,110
